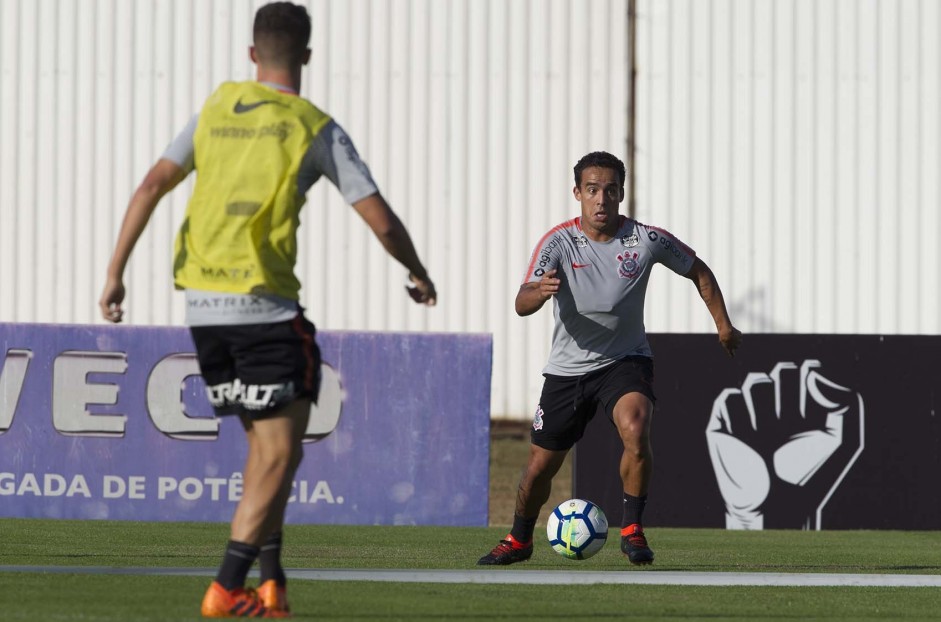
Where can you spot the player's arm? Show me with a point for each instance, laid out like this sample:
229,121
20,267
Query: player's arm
160,179
532,296
395,239
701,276
333,154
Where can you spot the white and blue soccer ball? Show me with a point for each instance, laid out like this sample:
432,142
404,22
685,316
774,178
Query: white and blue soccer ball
577,529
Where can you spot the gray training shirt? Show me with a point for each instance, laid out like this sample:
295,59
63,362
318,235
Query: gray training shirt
599,309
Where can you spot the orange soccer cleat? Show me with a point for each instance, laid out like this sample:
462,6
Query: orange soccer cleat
274,596
238,603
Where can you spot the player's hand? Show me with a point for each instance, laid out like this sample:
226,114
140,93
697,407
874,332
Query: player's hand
549,284
421,291
111,299
781,444
731,339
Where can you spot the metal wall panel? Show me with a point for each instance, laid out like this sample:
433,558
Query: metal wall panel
795,145
470,113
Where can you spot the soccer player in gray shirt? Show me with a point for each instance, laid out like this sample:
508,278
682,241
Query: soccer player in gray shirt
595,268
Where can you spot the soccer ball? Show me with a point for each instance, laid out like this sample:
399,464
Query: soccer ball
577,529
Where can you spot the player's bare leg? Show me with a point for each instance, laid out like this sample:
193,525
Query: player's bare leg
535,485
534,488
275,450
632,416
272,590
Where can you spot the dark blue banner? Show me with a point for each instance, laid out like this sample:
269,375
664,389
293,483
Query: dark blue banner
795,432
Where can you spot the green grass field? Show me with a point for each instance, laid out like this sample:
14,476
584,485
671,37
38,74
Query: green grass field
76,596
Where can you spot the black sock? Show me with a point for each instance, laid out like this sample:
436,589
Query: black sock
633,510
523,528
238,559
270,560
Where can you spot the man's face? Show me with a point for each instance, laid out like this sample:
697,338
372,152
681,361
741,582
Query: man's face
600,194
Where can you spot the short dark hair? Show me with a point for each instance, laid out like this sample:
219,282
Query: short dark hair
281,33
601,159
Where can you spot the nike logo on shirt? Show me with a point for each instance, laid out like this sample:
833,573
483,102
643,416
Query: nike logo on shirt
242,108
580,265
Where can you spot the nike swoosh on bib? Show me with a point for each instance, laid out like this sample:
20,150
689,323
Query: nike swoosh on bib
580,265
242,108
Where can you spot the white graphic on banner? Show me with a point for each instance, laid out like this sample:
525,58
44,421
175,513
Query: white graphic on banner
325,412
84,380
781,445
161,488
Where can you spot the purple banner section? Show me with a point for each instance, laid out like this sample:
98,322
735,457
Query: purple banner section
102,422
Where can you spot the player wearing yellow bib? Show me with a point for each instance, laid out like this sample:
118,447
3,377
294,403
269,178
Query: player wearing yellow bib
239,234
257,147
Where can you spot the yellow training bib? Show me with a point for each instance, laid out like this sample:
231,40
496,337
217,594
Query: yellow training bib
240,230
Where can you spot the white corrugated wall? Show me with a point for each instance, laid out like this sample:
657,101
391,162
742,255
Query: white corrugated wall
794,144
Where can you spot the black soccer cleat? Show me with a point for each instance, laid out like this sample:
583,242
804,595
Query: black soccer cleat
634,545
508,551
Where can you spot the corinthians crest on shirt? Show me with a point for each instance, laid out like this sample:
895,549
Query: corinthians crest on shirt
628,266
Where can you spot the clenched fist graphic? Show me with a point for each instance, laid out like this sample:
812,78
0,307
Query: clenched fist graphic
781,444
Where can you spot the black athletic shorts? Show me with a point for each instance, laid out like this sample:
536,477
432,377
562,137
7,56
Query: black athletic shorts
568,403
255,369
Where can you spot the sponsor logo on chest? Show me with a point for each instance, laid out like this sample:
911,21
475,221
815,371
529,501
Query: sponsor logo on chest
630,240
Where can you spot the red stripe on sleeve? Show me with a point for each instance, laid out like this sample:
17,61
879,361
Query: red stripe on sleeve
542,240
